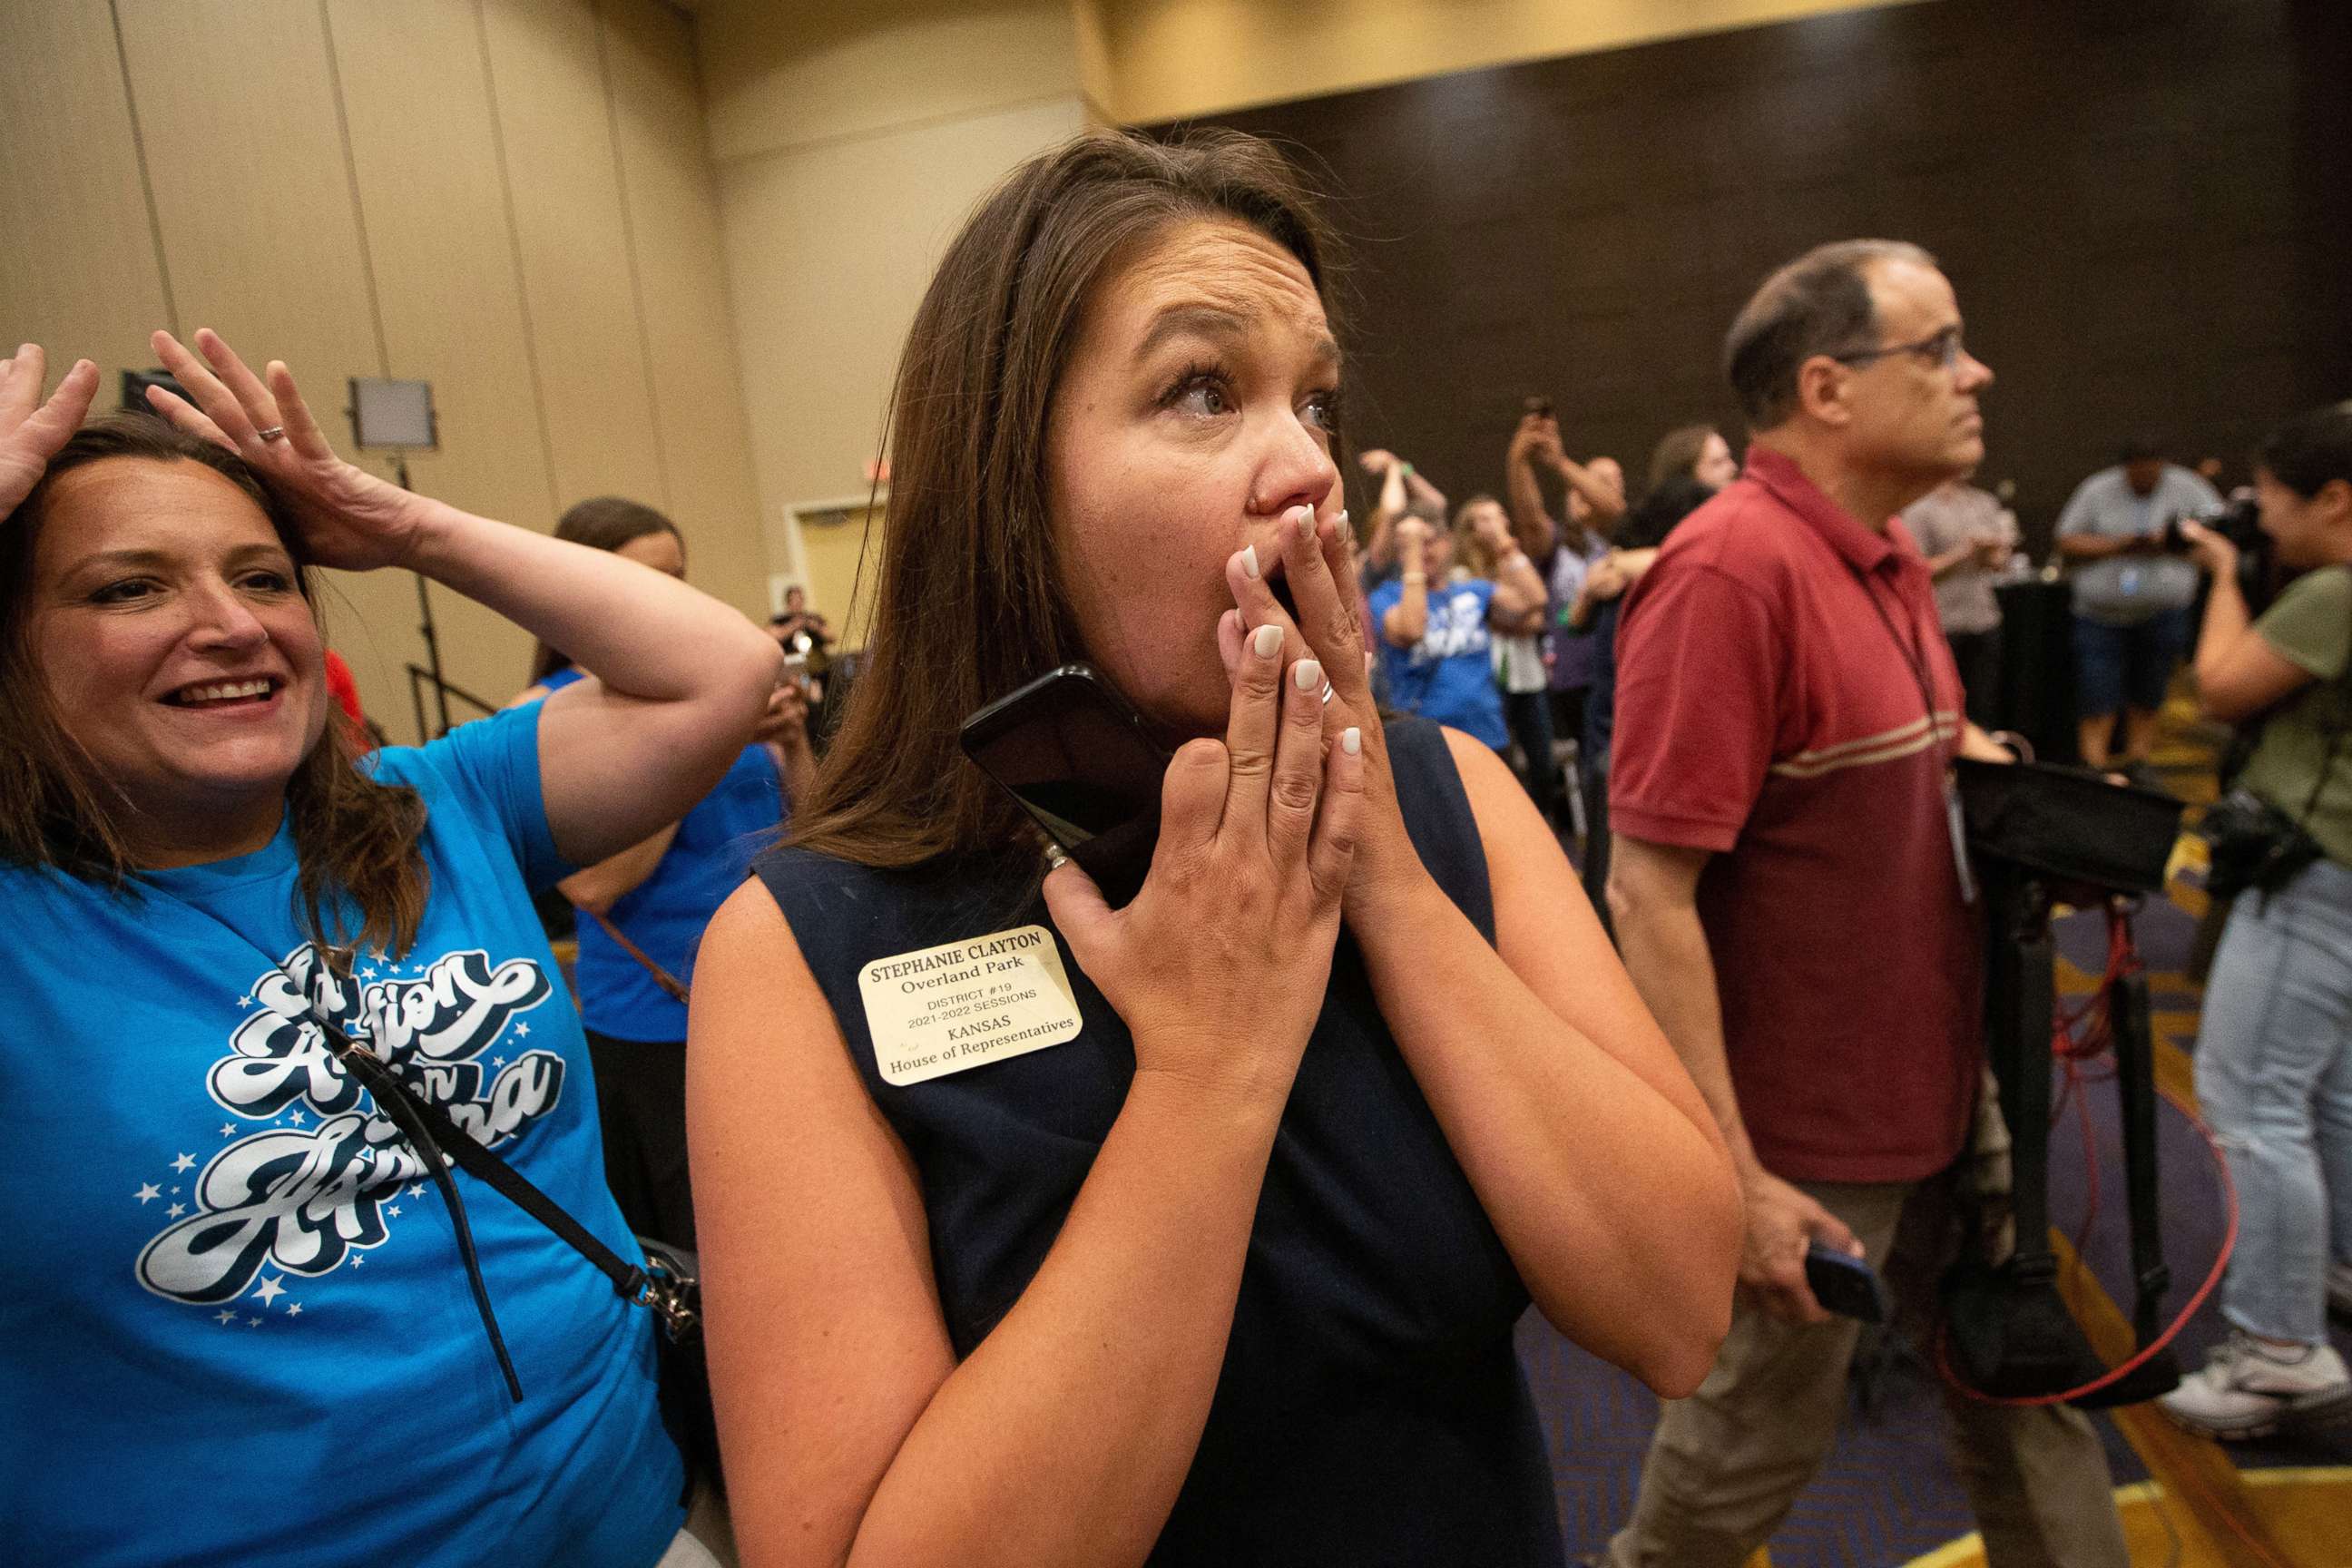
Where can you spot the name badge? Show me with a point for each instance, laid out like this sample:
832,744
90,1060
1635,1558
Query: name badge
948,1008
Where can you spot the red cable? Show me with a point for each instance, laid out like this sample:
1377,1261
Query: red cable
2123,960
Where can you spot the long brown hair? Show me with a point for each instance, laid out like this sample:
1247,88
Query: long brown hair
1676,455
969,601
601,523
353,835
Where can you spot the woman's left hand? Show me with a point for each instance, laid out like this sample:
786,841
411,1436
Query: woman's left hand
1314,562
350,518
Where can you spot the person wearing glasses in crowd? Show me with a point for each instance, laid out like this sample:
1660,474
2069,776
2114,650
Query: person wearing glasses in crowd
270,1329
1790,899
1226,1267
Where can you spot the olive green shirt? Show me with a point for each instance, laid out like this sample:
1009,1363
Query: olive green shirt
2310,627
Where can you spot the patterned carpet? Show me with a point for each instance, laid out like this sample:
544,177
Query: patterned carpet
1887,1495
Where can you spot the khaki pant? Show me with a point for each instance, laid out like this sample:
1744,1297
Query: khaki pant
1728,1462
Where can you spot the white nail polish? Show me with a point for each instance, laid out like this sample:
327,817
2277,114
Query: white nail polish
1307,675
1249,563
1304,520
1267,640
1351,740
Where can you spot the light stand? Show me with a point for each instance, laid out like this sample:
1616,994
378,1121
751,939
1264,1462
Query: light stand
398,416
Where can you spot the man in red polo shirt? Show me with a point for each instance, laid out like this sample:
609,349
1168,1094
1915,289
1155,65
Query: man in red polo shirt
1790,900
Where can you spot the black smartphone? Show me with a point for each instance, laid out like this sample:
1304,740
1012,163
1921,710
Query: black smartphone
1079,761
1844,1284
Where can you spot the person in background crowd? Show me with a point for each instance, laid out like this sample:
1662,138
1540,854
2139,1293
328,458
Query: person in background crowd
1180,1285
796,621
1519,671
1404,491
1595,492
1437,654
1968,537
647,906
286,1318
1691,452
1594,616
2274,1045
2132,598
1790,902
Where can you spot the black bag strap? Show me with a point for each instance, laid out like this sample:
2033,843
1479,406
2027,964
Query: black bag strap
441,1131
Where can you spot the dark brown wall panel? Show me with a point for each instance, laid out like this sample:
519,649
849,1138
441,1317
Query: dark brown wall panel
2146,209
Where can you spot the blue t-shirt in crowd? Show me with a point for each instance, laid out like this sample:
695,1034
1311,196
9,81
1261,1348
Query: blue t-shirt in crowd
241,1330
1449,675
667,914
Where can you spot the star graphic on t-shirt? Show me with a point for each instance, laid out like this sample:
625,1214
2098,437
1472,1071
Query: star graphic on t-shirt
269,1290
184,1162
393,1209
252,1322
416,1190
148,1193
224,1316
245,1001
522,1031
357,1259
369,972
497,1061
293,1309
228,1130
175,1211
295,1117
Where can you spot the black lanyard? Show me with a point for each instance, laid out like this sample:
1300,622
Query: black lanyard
1914,659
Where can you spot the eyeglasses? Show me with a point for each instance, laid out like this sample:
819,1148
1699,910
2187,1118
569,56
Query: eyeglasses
1942,348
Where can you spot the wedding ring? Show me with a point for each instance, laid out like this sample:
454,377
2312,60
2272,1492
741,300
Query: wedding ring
275,433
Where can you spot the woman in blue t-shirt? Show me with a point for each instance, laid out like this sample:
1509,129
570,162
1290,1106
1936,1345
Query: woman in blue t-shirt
645,907
279,1315
1038,1231
1437,645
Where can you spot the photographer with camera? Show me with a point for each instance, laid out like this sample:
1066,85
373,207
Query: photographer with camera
2274,1049
2133,586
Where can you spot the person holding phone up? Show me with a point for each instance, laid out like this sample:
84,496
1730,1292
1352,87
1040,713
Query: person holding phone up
1040,1232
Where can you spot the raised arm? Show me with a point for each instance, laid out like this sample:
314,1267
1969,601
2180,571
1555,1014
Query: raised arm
678,681
853,1436
2239,673
1407,620
1535,442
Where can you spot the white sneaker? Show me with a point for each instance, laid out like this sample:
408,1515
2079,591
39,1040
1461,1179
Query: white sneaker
2339,1288
2249,1389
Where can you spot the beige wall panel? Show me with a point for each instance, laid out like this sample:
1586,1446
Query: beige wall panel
253,195
78,273
1168,58
778,76
549,84
828,252
435,211
673,204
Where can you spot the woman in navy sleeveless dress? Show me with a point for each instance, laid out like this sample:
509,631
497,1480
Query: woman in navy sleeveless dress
1191,1232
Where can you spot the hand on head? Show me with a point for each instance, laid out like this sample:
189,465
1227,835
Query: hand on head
349,517
31,431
